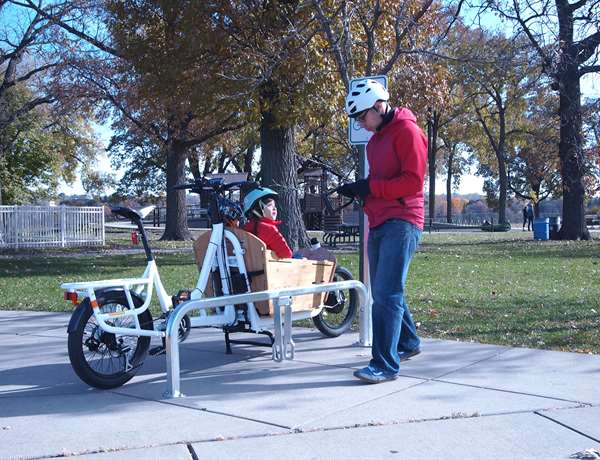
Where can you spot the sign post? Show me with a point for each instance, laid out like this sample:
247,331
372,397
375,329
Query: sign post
359,136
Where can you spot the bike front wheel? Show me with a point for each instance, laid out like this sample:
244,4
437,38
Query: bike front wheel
103,359
340,308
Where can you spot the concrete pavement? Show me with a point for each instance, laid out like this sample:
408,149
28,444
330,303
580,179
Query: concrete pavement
453,401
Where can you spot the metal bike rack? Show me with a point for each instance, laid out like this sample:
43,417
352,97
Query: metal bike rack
283,348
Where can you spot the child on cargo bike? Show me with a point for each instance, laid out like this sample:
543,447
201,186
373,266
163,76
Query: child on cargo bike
261,210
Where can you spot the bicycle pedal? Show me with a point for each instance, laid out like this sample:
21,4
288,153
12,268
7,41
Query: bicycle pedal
159,350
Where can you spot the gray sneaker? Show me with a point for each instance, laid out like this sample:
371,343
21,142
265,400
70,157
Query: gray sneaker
372,375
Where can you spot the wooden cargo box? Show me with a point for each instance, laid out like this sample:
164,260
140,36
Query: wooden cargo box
269,272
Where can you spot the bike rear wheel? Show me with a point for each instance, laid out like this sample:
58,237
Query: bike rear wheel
103,359
340,308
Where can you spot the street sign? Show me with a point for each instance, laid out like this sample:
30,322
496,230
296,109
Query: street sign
356,133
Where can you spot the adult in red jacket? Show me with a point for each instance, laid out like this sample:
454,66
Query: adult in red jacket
392,197
261,210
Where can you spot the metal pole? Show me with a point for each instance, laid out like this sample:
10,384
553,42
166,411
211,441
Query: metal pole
16,219
365,326
63,225
102,223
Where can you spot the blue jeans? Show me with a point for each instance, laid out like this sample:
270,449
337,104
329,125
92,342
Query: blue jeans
391,247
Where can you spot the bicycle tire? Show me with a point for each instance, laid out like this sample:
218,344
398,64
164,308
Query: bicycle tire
336,319
90,348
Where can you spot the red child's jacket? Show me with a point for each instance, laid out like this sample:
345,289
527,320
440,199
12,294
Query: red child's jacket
266,230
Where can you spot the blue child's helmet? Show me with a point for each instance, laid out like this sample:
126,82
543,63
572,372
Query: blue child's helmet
258,193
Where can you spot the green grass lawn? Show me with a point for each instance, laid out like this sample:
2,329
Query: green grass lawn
34,283
499,288
506,290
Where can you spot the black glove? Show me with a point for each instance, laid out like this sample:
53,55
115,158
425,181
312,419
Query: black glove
358,189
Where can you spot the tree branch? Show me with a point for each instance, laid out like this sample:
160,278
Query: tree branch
334,43
215,132
55,19
486,130
400,35
589,69
30,74
577,5
150,129
455,17
587,47
547,60
25,108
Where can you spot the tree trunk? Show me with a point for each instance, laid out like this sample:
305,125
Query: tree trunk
278,171
248,159
449,186
208,160
535,188
570,146
194,162
503,183
176,227
222,156
432,128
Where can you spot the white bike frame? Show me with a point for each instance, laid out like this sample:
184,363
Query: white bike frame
224,314
222,309
142,286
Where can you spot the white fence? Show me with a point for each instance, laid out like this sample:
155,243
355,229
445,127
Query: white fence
43,226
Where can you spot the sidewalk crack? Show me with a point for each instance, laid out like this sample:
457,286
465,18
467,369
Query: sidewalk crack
202,409
481,387
192,452
567,426
487,358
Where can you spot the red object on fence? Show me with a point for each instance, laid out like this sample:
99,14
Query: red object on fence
71,297
134,238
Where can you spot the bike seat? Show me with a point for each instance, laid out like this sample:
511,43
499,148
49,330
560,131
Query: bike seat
126,212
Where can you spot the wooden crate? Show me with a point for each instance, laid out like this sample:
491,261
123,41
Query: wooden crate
269,272
288,273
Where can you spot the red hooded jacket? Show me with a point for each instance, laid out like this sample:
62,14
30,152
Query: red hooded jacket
266,230
397,156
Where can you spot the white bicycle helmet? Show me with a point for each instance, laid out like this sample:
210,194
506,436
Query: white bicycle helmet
255,195
364,96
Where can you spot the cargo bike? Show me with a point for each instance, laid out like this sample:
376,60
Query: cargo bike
241,287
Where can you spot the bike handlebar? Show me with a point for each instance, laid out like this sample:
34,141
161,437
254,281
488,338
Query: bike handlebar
329,206
216,184
217,187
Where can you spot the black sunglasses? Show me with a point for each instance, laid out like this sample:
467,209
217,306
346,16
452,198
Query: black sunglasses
360,116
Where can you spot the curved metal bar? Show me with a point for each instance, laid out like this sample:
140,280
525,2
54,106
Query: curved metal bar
172,344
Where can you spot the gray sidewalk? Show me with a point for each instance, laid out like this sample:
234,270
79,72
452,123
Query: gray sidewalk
454,401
